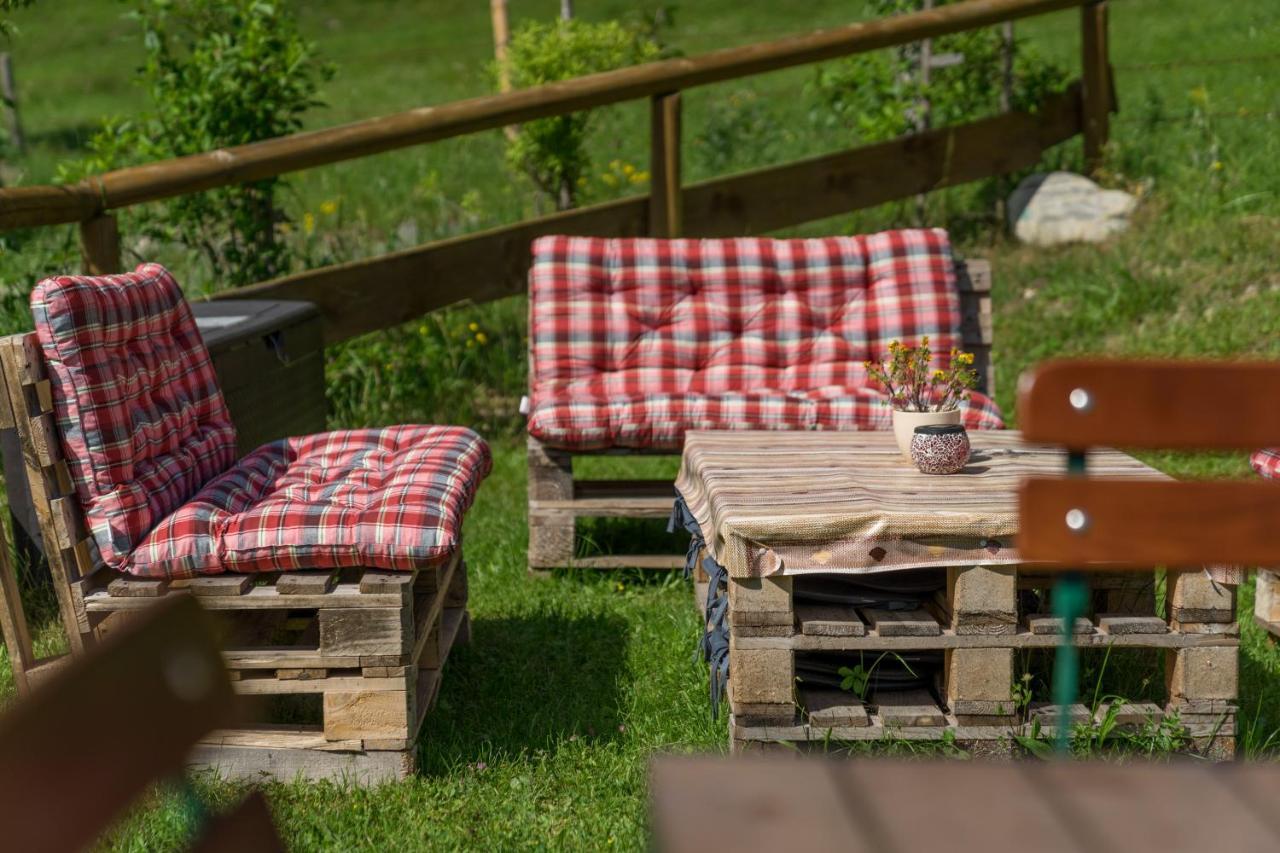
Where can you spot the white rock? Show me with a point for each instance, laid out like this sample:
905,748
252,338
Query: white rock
1060,207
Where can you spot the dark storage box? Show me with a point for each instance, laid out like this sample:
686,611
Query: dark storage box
269,356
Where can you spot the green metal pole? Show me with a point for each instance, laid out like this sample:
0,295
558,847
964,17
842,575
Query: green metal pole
1069,596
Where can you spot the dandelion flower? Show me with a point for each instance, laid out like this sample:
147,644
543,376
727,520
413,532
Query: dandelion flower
1217,166
639,177
482,338
628,169
610,179
470,343
329,208
475,327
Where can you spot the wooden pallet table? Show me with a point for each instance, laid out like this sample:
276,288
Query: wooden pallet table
786,516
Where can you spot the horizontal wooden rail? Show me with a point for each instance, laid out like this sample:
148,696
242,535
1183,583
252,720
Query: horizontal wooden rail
51,205
364,296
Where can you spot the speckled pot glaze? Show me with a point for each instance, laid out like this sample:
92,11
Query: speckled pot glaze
940,448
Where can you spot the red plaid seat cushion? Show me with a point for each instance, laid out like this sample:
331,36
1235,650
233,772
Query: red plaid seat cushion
1267,463
142,419
389,498
636,341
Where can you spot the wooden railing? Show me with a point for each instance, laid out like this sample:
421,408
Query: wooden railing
380,292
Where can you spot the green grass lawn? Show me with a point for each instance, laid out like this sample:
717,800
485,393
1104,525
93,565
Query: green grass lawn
547,720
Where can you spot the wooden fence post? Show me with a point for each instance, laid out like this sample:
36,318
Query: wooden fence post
666,206
1096,99
100,245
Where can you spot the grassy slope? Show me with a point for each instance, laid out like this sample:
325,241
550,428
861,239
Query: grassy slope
545,723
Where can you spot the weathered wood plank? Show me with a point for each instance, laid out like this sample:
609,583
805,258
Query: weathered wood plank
306,583
137,587
908,708
218,586
1040,623
835,708
1121,623
830,620
903,623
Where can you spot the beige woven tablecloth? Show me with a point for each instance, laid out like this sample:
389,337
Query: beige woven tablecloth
795,502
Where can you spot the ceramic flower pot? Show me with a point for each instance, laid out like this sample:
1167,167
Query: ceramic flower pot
905,423
940,448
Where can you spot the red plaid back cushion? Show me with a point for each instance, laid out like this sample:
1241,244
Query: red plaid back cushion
143,421
709,315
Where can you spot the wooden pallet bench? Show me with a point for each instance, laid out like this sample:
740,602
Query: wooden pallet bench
557,498
977,622
351,658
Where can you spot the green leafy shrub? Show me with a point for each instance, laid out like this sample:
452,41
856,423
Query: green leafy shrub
878,94
552,152
218,73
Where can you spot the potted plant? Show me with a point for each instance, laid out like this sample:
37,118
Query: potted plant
919,393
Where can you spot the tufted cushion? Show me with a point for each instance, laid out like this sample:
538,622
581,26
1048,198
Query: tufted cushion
142,420
1267,463
635,341
389,498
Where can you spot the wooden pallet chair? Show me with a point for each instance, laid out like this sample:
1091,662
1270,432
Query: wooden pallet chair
356,616
594,302
1077,522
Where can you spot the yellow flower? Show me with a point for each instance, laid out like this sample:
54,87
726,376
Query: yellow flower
470,343
615,165
965,358
329,208
308,222
938,374
475,327
610,179
628,170
1199,95
1217,166
639,177
482,338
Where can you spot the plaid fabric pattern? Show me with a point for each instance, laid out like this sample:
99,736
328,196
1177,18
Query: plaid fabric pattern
1267,463
143,421
636,341
389,498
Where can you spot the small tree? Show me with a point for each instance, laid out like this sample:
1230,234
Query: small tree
552,152
219,73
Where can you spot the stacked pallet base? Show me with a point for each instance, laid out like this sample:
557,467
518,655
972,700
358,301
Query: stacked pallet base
339,669
975,628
